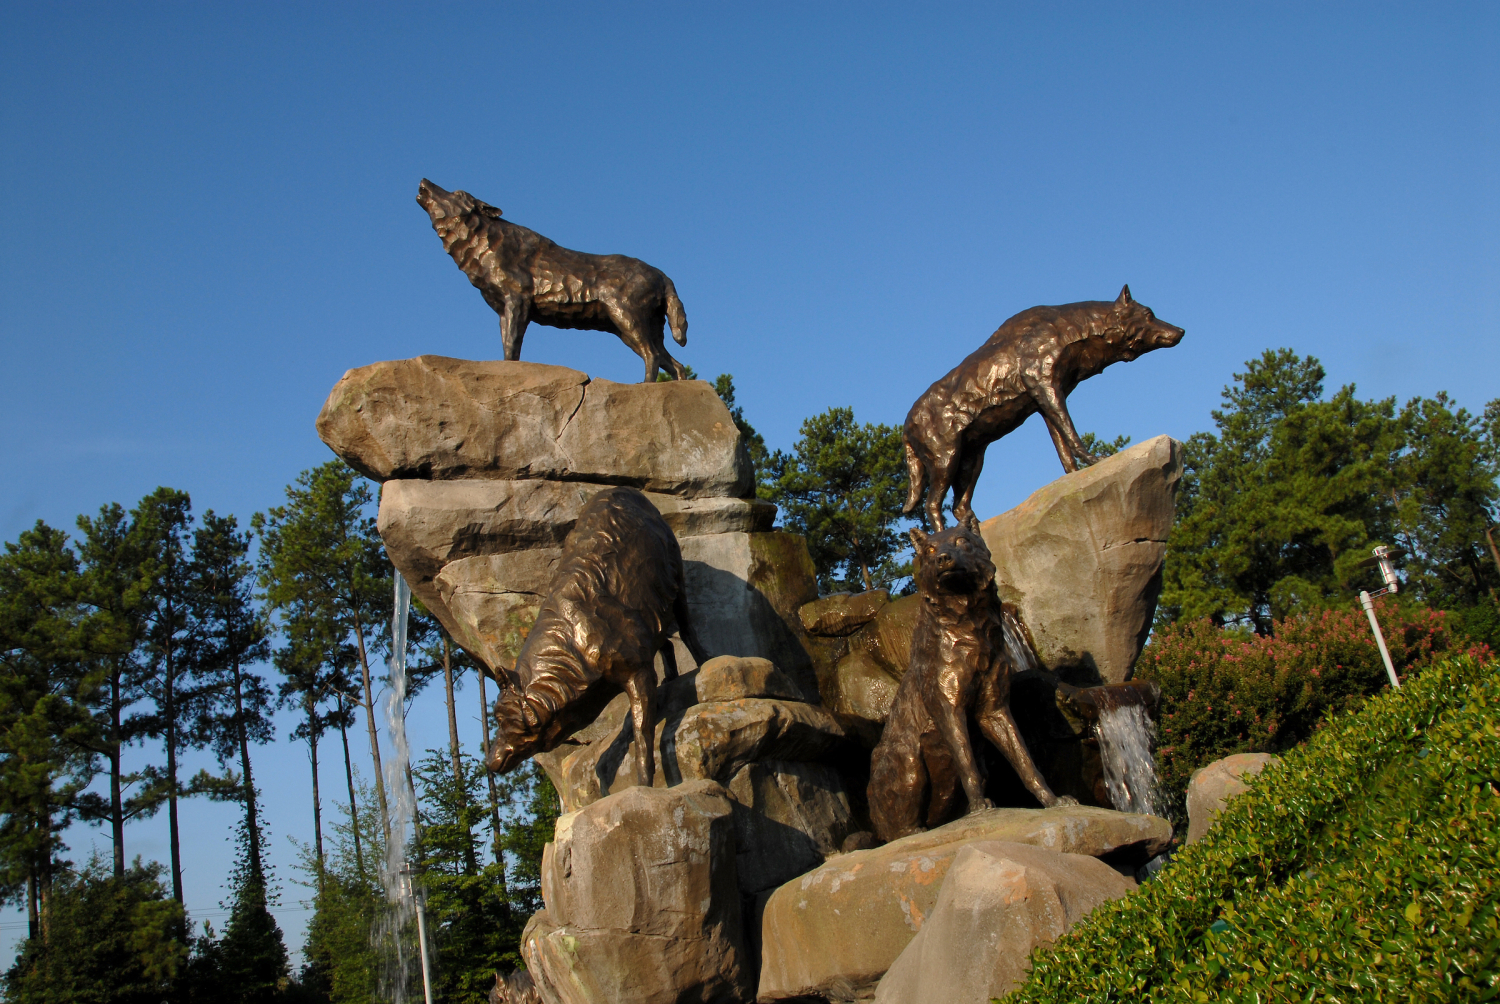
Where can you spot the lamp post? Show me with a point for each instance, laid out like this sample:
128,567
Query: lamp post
421,933
1382,557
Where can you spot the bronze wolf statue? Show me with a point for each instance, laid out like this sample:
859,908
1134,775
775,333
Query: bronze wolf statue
959,668
611,604
1032,363
525,277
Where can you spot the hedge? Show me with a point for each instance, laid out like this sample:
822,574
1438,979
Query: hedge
1362,867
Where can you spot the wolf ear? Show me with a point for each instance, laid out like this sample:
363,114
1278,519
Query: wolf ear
918,537
1124,300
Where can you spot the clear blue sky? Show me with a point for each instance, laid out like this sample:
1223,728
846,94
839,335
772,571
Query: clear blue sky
209,216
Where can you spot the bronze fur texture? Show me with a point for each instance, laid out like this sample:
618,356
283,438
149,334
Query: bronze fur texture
610,608
525,277
1031,364
959,671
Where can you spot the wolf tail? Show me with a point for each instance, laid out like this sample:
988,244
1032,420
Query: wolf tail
915,477
676,317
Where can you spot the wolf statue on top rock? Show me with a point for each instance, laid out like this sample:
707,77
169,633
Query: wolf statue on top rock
959,668
525,277
1031,364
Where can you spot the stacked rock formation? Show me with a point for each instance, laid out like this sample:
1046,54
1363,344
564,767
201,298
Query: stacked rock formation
484,467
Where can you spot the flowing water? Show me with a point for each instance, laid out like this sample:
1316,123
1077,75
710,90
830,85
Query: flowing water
403,894
1016,645
1129,768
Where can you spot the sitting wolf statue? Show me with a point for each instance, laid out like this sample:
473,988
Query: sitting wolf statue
959,667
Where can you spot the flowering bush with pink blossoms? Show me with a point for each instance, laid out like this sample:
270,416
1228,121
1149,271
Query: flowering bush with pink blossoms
1225,692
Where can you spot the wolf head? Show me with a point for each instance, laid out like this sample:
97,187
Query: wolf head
1136,330
952,562
447,208
519,728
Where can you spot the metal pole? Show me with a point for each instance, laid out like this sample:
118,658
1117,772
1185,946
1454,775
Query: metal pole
1369,605
422,944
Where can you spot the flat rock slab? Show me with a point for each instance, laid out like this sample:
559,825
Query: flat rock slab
839,614
999,901
1081,560
845,922
642,902
1211,788
437,418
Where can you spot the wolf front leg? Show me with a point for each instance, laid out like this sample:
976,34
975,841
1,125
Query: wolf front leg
640,688
999,727
1054,409
951,719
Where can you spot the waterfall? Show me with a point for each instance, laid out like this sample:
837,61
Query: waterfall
1016,645
404,896
1125,748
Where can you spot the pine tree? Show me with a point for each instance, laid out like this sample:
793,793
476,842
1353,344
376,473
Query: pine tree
45,721
842,488
253,962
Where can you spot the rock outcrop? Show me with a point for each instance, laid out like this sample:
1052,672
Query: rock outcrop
436,418
485,466
844,923
1080,561
998,901
642,902
1211,788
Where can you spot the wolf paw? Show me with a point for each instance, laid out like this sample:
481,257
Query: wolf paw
980,805
1064,800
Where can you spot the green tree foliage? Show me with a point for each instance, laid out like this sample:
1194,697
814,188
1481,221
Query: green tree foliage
469,915
325,574
46,729
842,487
119,573
342,962
115,939
529,808
1279,507
252,958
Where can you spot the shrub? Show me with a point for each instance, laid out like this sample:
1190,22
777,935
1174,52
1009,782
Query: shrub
1225,692
1361,867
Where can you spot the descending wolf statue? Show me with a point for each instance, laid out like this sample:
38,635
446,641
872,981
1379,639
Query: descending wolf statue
1031,364
525,277
612,602
959,669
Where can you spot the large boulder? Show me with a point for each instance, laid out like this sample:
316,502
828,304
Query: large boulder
1211,788
1081,560
839,614
642,902
788,818
843,924
437,418
744,590
999,900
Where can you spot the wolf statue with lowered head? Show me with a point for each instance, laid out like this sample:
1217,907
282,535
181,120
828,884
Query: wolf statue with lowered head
1031,364
609,610
525,277
959,669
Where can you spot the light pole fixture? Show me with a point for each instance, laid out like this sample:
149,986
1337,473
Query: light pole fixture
1382,557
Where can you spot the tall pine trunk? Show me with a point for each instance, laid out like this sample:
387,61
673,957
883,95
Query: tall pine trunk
359,857
312,747
169,702
116,803
252,819
470,865
364,672
484,720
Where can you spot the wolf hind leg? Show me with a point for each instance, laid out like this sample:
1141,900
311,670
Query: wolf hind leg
898,781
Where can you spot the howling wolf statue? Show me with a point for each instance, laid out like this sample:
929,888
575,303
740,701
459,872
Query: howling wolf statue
1031,364
525,277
